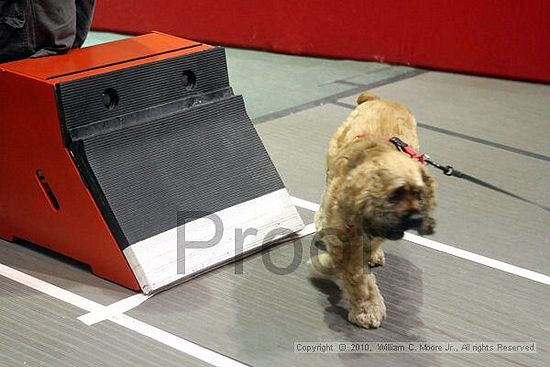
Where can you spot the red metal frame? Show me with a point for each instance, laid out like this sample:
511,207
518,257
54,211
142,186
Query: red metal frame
31,140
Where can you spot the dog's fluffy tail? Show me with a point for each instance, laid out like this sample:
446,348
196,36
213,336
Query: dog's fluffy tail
366,96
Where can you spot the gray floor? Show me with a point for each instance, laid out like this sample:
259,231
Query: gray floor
494,129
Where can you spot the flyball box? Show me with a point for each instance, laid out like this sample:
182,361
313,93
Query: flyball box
135,157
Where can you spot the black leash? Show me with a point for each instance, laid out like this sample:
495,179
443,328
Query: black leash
450,171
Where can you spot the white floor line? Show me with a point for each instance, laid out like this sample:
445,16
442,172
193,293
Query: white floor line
117,308
175,342
487,261
304,204
49,289
161,336
463,254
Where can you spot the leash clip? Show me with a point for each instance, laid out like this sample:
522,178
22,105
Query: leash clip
405,148
447,170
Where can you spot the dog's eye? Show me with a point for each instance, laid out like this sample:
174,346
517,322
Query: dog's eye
397,195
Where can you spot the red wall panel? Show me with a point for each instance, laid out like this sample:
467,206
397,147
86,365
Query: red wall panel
500,38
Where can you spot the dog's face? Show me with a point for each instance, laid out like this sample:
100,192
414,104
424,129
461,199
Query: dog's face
389,193
400,209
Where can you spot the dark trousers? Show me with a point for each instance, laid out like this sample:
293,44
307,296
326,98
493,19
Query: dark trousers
42,27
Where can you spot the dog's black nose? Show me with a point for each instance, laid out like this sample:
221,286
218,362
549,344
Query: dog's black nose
413,220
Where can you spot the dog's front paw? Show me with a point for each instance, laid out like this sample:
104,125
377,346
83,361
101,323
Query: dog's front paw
428,227
376,258
369,315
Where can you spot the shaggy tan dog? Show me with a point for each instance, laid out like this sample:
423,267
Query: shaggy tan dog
373,192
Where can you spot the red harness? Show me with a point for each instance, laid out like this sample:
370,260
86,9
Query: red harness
401,146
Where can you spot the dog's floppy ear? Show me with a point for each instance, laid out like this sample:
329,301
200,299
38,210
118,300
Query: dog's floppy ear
366,96
352,155
356,153
346,162
428,203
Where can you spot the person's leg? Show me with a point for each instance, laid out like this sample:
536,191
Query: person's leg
84,15
42,27
15,36
54,26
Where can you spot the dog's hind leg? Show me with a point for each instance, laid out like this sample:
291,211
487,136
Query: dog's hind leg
321,266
